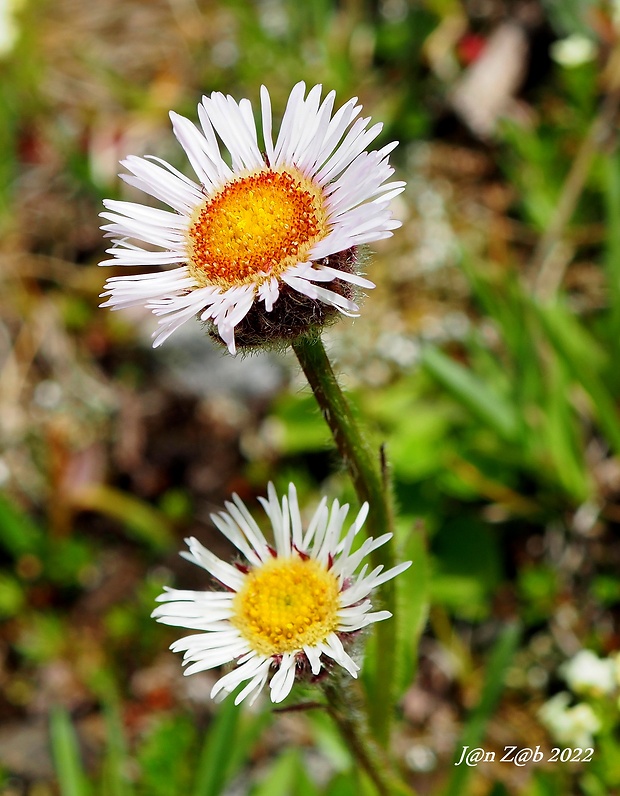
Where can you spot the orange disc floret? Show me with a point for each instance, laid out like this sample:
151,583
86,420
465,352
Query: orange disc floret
255,227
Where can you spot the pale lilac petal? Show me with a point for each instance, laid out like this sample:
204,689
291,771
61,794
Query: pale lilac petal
328,148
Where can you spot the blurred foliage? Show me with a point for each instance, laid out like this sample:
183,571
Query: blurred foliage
498,402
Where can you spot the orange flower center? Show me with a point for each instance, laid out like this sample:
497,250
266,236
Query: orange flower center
255,227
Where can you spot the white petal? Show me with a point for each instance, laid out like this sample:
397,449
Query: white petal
293,506
247,671
313,291
269,292
332,647
131,291
317,524
165,184
282,681
255,685
229,529
231,123
267,123
223,572
291,124
251,529
314,658
332,533
204,160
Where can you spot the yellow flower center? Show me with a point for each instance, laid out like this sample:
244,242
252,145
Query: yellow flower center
255,227
285,604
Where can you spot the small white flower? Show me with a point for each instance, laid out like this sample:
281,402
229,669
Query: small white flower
571,726
290,610
586,673
574,50
265,225
9,25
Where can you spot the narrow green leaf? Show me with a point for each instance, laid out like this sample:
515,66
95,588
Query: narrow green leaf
351,783
342,785
141,520
328,740
582,357
572,340
473,732
226,747
114,780
612,258
18,534
282,778
413,599
66,755
561,436
250,729
214,763
476,396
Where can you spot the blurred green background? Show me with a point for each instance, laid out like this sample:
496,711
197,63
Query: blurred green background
486,359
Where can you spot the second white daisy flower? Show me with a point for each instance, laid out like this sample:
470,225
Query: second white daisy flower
291,609
271,227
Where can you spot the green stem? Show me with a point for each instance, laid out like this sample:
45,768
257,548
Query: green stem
365,751
369,473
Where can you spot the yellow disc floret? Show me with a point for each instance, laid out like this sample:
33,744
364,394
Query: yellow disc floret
255,227
285,604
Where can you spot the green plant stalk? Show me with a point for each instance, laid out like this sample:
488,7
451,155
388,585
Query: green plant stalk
369,474
371,757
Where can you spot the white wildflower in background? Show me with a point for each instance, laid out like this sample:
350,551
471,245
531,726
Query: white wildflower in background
290,609
616,661
9,25
571,726
575,50
586,673
277,229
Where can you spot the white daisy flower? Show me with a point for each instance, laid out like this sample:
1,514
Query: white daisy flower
268,226
292,608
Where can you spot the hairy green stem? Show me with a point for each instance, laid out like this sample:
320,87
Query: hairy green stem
369,474
371,757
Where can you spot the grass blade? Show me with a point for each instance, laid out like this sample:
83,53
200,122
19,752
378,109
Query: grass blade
473,733
115,782
475,395
66,755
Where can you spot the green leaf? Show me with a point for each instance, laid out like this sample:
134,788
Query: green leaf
166,756
571,338
343,785
584,359
468,566
473,733
612,258
66,755
12,598
475,395
287,777
413,599
329,741
560,435
141,520
18,534
214,763
299,426
115,781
